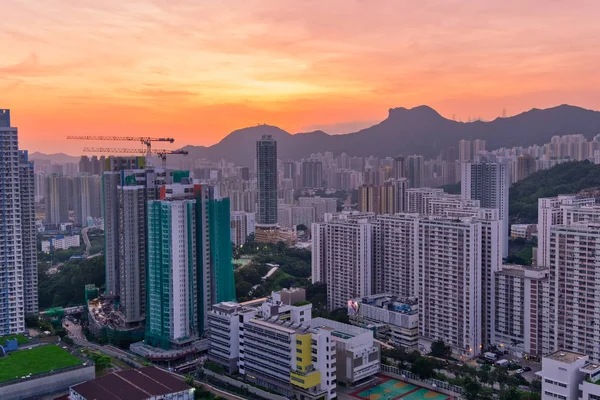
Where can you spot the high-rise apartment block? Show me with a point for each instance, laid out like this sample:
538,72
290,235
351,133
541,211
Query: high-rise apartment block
464,151
449,281
56,199
266,157
488,182
126,194
193,215
242,225
415,170
574,309
18,269
28,232
312,174
342,257
321,205
519,309
87,198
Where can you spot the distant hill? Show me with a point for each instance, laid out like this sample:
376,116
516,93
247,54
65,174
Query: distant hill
567,178
420,130
56,158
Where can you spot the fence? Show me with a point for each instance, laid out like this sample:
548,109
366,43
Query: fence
433,384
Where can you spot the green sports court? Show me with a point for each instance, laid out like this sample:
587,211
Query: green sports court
392,389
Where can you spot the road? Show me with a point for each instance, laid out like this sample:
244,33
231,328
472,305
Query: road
86,240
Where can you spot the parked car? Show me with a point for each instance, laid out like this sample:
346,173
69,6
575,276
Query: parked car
519,371
527,369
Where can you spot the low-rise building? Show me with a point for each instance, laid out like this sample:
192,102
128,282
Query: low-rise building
357,356
61,242
393,320
567,375
147,383
523,231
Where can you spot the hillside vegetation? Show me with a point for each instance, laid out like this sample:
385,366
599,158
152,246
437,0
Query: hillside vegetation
567,178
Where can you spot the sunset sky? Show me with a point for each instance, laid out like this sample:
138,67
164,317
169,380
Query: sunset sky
196,70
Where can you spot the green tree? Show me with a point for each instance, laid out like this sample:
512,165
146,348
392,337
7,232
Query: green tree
423,368
472,389
512,393
439,349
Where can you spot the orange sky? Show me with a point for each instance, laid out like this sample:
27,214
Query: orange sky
197,69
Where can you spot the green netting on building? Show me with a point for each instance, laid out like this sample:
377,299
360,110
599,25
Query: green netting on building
159,274
179,175
221,255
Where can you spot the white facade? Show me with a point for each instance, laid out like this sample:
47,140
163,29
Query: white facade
450,284
12,298
321,205
342,249
574,308
61,243
242,225
415,199
224,322
518,309
396,254
557,211
561,375
394,321
357,355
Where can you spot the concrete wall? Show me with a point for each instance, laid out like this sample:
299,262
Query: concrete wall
46,384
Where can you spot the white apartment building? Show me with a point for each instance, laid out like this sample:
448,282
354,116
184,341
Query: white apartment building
567,375
395,321
574,309
488,182
321,205
416,199
553,211
290,216
449,277
12,297
61,242
395,239
518,309
242,225
342,256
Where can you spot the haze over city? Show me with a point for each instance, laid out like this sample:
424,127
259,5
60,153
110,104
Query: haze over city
201,69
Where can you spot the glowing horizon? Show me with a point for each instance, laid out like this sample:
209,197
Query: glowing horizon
201,69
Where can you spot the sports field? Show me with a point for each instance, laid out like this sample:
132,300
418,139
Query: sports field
35,361
392,389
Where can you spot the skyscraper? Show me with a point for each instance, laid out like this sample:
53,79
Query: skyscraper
464,151
488,182
399,167
28,232
478,145
312,174
57,199
12,297
196,226
124,209
266,160
415,171
86,198
172,273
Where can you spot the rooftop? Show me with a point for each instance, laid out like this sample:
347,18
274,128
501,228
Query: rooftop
564,356
133,384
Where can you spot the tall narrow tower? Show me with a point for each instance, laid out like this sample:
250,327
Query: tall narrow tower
266,162
12,305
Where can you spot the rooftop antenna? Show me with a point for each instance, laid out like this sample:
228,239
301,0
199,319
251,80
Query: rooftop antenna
504,113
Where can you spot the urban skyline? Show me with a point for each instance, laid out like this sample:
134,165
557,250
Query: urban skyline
315,73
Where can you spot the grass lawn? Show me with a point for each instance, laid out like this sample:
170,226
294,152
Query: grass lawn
35,361
20,339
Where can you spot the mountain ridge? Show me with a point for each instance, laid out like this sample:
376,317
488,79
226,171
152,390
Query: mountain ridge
417,130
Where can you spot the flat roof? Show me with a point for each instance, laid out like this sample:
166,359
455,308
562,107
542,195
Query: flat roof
134,384
568,357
